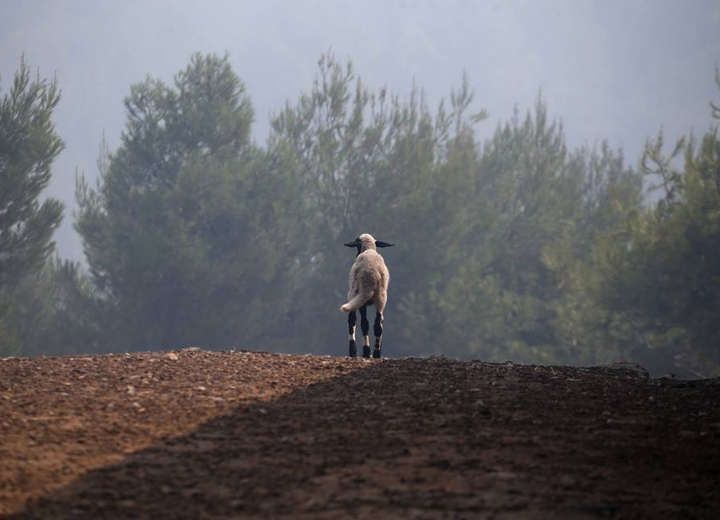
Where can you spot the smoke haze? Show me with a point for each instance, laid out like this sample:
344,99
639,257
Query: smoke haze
610,70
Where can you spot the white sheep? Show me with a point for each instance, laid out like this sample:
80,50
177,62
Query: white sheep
368,285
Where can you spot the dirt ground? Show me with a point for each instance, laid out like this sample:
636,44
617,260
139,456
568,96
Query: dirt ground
197,434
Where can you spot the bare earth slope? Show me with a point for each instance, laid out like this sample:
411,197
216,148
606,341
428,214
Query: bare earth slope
196,434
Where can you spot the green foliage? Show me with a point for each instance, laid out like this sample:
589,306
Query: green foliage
28,146
187,234
609,195
664,277
650,289
516,248
55,311
370,161
535,210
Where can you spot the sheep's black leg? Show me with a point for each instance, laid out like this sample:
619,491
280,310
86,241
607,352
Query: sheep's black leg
365,325
378,334
352,319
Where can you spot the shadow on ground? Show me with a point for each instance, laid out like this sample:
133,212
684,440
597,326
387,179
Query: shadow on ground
429,439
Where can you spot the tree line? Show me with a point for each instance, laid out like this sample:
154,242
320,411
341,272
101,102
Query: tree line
516,248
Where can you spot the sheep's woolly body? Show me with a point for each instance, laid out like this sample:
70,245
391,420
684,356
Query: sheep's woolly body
369,279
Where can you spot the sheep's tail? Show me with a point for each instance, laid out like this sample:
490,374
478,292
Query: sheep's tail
356,302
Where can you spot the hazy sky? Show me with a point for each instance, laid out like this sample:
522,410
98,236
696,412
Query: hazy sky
615,70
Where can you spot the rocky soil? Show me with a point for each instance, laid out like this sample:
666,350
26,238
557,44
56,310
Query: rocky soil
198,434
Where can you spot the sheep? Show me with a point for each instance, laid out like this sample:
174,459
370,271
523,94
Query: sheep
368,285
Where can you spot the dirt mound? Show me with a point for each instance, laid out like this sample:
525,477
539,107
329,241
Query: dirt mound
225,434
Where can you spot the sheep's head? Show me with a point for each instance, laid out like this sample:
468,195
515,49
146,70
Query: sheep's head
365,242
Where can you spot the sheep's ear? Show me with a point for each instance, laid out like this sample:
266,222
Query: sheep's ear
380,243
354,243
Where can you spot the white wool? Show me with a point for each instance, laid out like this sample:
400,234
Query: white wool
369,278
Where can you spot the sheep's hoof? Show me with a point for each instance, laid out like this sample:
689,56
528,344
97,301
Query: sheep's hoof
376,353
352,350
366,351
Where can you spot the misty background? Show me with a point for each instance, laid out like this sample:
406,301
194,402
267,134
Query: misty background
549,173
615,70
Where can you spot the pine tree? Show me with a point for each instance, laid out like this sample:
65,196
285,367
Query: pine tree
186,235
28,146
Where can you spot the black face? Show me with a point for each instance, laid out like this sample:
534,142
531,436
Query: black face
357,243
